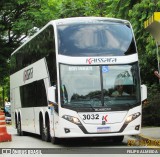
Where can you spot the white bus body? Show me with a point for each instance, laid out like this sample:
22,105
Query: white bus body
62,80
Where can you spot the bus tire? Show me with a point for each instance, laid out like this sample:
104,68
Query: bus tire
41,126
118,139
19,128
55,140
16,124
46,133
42,130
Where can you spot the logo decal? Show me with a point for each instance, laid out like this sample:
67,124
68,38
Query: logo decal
104,118
101,60
103,109
28,74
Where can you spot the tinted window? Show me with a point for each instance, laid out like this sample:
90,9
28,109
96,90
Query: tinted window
41,93
33,94
99,39
28,93
97,86
43,45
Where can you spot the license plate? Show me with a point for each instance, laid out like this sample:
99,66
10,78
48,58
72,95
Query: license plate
104,129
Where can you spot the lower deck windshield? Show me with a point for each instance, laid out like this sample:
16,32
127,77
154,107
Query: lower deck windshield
114,87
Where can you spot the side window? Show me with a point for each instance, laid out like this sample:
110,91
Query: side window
51,56
27,93
42,45
41,93
33,94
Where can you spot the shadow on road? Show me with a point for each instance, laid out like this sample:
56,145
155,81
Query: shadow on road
80,142
83,142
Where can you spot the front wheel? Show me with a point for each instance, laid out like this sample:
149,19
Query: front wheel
118,139
55,140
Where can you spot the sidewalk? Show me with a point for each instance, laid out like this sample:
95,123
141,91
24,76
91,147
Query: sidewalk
151,133
149,137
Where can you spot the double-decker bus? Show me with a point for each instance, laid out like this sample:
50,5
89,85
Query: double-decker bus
65,80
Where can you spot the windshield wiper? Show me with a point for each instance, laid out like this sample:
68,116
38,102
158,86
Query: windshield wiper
80,103
124,105
91,107
128,104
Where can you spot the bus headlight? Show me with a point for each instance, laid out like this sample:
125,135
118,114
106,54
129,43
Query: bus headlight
71,119
132,117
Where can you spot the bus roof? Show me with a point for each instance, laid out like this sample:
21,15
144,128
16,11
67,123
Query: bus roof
87,19
75,20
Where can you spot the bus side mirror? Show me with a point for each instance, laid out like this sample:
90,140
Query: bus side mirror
143,92
52,94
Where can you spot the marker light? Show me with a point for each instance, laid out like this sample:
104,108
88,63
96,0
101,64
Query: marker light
132,117
71,119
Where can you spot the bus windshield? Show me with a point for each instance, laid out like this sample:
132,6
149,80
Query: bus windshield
109,86
100,39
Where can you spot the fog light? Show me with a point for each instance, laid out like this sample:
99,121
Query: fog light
132,117
67,130
137,127
72,119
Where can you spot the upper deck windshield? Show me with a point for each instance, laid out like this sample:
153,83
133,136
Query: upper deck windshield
95,39
97,87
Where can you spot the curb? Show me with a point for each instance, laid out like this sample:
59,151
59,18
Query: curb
142,140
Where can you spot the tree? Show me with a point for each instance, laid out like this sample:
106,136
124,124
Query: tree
80,8
18,20
145,42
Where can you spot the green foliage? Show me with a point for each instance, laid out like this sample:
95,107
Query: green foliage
71,8
151,111
80,8
4,91
18,18
145,43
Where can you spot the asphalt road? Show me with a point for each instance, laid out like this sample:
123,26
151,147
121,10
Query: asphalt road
33,144
34,141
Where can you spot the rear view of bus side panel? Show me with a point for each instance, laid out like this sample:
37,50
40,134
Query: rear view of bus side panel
15,105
